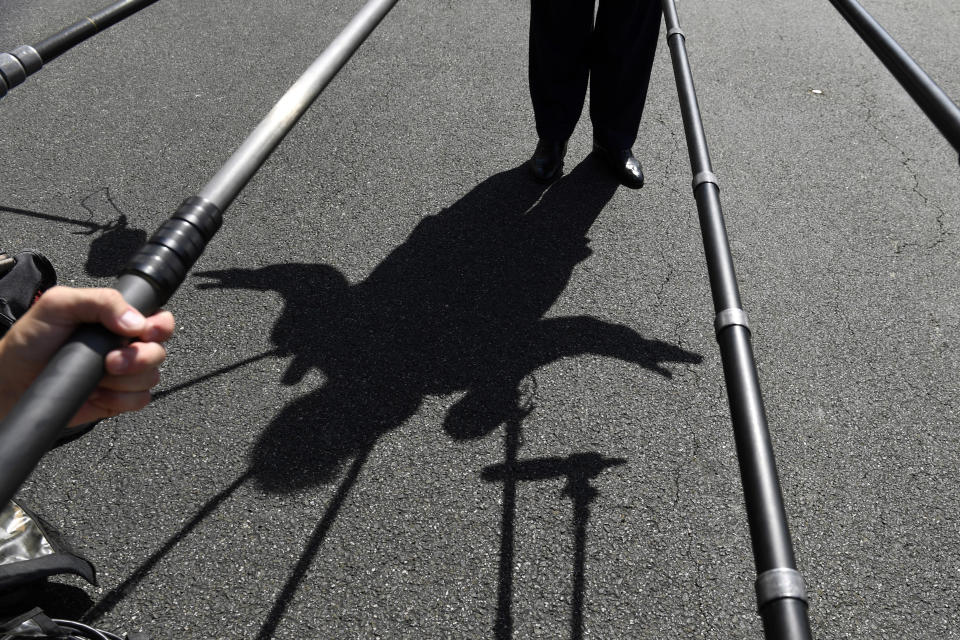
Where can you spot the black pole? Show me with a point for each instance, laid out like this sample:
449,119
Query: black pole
25,60
781,595
924,91
79,31
156,271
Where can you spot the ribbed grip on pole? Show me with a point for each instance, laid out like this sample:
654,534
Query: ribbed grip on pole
16,66
176,245
148,280
12,72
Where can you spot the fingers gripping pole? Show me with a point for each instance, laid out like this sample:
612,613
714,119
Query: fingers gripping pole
155,272
781,596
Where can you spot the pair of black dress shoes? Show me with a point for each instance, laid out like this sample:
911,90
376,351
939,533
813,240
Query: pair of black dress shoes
546,165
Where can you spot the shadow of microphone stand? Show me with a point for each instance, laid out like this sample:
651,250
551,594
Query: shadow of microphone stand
578,469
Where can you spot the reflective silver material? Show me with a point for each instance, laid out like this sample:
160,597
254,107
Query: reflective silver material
20,537
728,317
774,584
29,628
705,176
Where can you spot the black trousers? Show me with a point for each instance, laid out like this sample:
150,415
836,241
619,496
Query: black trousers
615,53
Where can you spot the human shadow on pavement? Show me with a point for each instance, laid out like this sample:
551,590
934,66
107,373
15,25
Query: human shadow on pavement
458,307
116,242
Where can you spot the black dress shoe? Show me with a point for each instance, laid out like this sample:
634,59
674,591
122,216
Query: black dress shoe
546,164
625,167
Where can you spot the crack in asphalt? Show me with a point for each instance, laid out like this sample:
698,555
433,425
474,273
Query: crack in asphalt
906,161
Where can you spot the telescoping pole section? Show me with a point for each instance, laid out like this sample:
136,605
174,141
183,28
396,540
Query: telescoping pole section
781,595
924,91
156,271
25,60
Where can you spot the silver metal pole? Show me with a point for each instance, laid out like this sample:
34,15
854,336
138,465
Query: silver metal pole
234,175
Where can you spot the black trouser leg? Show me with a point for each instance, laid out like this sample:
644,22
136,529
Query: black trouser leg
623,48
559,63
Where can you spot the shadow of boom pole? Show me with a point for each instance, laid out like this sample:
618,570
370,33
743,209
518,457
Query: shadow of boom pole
118,593
219,372
313,546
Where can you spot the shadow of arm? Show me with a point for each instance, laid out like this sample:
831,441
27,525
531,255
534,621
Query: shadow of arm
578,335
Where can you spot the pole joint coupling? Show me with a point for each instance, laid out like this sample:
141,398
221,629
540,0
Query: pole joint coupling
676,31
705,176
29,58
776,584
729,317
11,70
16,65
170,252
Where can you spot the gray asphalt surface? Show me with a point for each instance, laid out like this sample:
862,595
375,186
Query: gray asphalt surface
379,327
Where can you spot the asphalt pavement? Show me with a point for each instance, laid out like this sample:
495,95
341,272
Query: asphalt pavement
414,394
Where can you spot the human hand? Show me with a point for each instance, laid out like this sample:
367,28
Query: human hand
130,371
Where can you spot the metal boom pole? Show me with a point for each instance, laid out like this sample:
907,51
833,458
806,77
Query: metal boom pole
155,272
781,594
